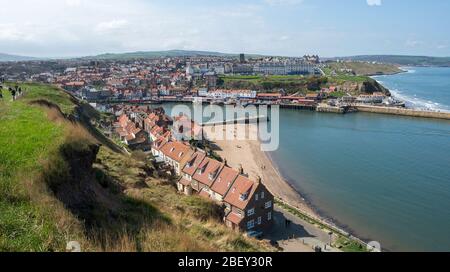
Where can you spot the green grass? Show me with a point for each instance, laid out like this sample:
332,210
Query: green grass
27,137
195,223
35,91
338,94
363,68
340,79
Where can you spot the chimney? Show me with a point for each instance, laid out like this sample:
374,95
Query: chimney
258,180
241,169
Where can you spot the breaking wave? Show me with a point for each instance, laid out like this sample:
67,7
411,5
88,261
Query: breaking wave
415,102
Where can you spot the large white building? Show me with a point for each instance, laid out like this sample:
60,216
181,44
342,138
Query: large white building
284,68
228,94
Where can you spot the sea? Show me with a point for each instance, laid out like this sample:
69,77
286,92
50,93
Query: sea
421,87
383,178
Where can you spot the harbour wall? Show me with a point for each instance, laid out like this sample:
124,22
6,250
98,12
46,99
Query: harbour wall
405,112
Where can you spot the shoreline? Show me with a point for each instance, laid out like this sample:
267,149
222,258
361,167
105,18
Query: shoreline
247,153
411,111
258,163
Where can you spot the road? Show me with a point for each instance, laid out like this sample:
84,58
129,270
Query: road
299,236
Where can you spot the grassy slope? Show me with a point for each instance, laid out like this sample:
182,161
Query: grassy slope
125,209
24,146
404,60
293,84
365,69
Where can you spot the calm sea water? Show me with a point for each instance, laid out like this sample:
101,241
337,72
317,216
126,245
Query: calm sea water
421,87
386,178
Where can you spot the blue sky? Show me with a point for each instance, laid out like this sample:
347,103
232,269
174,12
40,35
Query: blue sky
277,27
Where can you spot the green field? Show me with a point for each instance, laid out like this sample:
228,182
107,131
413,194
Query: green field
27,137
361,68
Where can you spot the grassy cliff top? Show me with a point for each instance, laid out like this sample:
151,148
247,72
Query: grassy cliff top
362,68
353,84
60,181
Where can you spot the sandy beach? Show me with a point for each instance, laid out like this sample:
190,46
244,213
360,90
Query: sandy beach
257,163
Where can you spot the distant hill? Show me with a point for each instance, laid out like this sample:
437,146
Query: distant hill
402,60
6,57
158,54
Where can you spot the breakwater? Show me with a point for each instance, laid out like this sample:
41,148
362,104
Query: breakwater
405,112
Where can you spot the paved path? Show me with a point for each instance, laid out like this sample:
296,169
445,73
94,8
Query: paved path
300,236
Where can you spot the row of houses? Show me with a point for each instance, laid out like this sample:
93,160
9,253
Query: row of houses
138,127
248,205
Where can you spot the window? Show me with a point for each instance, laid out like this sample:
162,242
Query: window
262,195
244,196
269,216
268,204
250,224
256,197
259,220
251,212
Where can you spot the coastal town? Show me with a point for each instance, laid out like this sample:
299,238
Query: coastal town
213,79
224,135
130,95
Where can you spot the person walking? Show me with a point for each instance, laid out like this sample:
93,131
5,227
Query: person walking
13,93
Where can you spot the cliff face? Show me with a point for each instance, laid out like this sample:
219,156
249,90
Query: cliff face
372,86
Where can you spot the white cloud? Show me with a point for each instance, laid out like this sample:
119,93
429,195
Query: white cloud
73,3
414,43
374,2
283,2
111,25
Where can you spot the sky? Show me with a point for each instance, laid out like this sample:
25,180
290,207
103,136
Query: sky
69,28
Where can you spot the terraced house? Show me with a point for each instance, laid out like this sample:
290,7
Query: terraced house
206,174
248,204
184,184
176,154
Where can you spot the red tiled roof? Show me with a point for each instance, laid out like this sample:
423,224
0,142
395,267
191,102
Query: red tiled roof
204,194
156,130
207,171
123,120
177,151
269,95
195,161
234,218
242,186
159,143
184,181
224,180
75,83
